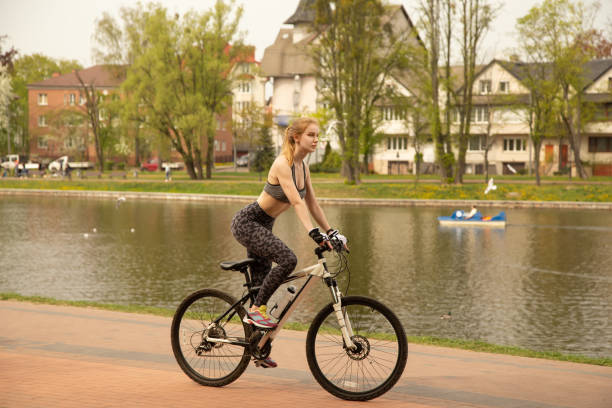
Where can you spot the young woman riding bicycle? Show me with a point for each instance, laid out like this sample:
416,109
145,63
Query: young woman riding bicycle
288,185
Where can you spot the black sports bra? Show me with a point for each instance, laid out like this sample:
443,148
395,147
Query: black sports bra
276,191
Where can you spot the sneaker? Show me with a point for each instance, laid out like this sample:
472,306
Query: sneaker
266,363
259,318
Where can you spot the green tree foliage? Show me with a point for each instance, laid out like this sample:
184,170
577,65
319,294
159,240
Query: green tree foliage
552,34
29,69
264,155
475,19
355,54
178,79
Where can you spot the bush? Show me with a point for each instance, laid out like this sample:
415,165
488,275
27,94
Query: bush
332,162
120,166
109,165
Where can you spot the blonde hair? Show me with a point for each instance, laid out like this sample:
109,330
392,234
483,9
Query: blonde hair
296,128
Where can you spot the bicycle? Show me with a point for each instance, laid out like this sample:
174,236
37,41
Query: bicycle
356,347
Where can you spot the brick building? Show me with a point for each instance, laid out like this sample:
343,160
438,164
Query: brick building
54,134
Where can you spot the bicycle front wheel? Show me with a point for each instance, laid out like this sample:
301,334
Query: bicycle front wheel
373,366
212,363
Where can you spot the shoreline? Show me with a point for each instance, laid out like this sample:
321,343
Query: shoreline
382,202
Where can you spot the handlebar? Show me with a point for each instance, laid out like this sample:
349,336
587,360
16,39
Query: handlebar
336,244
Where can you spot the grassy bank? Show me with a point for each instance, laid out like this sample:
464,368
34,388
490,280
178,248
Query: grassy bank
332,187
472,345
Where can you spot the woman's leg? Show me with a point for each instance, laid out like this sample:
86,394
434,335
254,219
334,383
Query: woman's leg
266,248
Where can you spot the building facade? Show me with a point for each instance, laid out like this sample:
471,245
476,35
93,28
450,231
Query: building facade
54,134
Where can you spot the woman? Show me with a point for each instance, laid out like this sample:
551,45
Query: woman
288,185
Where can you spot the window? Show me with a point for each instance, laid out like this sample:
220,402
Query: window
42,99
82,100
223,146
69,143
477,142
42,142
397,143
600,144
515,144
71,99
479,114
504,87
245,68
393,113
609,83
42,121
101,114
216,145
244,87
485,86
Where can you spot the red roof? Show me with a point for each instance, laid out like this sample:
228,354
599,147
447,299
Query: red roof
102,76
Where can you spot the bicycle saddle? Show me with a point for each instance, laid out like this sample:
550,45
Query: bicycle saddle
236,265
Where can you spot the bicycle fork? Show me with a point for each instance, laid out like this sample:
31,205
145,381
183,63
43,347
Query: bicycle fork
343,319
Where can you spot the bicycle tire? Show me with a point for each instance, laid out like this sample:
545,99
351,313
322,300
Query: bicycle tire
210,364
357,375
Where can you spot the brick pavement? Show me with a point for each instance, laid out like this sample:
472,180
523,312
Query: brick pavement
57,356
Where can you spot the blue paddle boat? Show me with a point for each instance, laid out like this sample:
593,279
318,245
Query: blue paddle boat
458,219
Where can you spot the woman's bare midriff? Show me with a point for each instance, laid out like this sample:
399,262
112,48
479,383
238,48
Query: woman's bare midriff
271,205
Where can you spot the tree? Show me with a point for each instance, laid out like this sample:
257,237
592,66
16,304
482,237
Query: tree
6,95
264,156
100,113
425,66
355,53
475,19
246,118
178,82
29,69
553,33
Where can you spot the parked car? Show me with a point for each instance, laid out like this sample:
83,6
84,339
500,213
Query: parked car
173,165
10,162
151,165
242,161
63,163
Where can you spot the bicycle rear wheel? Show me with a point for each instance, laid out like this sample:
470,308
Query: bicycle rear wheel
210,363
374,366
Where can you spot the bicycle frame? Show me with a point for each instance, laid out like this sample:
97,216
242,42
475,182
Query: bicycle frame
313,273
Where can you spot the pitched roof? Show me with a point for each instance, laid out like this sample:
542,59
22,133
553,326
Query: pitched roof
286,59
594,69
305,13
102,76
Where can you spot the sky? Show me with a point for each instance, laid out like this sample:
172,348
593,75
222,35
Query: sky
64,28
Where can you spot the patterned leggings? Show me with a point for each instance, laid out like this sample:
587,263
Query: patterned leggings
252,227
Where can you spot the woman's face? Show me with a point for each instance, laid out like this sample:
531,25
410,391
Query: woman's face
309,139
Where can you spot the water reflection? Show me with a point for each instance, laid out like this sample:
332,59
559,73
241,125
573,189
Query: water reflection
544,282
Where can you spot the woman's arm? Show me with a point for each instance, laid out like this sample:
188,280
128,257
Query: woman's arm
283,173
313,205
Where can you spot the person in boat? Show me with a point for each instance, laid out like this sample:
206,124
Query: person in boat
472,213
288,185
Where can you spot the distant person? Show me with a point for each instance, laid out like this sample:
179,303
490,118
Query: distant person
472,213
168,173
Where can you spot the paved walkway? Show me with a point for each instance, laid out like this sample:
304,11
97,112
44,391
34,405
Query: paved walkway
57,356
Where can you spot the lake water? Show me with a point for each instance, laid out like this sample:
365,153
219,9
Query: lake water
544,282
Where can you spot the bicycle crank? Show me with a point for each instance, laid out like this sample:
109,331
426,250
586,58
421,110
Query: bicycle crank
256,352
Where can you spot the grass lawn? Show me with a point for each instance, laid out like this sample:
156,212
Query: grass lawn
333,186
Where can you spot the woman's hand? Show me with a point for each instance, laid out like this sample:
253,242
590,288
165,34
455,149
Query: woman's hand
333,234
320,238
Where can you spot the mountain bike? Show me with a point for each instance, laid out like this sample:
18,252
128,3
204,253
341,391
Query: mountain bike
356,347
